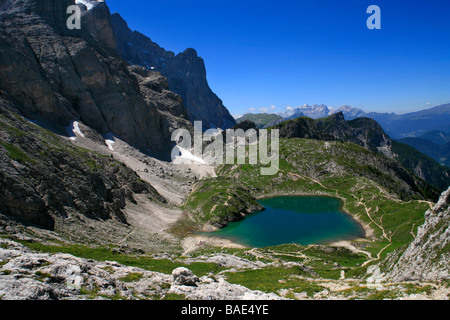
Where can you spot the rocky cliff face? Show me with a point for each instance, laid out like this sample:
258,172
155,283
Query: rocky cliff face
186,74
97,20
427,258
62,75
55,76
302,127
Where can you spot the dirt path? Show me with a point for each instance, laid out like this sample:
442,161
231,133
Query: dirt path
378,256
307,178
191,244
348,245
431,204
379,225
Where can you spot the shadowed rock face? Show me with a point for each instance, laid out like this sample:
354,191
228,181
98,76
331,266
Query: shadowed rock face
56,76
60,75
186,74
98,22
52,11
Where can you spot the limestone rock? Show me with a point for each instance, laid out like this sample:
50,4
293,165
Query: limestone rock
221,290
230,261
428,258
184,277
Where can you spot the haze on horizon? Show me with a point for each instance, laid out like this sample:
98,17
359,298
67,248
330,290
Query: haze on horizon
267,55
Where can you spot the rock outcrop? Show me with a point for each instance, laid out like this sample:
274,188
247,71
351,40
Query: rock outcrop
97,21
61,75
428,256
184,277
302,127
155,89
186,74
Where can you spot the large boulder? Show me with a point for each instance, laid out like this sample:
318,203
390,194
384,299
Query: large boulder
184,277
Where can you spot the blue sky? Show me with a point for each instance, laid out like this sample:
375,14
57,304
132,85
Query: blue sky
260,54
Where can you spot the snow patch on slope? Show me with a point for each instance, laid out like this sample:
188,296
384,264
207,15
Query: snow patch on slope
184,156
74,130
110,140
88,3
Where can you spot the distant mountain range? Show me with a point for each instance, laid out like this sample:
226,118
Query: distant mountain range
435,144
406,125
396,126
314,112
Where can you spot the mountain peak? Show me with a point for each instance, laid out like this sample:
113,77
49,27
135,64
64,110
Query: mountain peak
314,112
338,116
185,72
190,52
97,21
350,112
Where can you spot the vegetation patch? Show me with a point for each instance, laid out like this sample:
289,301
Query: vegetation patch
16,153
132,277
273,279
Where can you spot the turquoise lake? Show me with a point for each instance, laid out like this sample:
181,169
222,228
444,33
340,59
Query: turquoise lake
300,219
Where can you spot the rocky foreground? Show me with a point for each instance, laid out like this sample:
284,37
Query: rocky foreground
27,275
